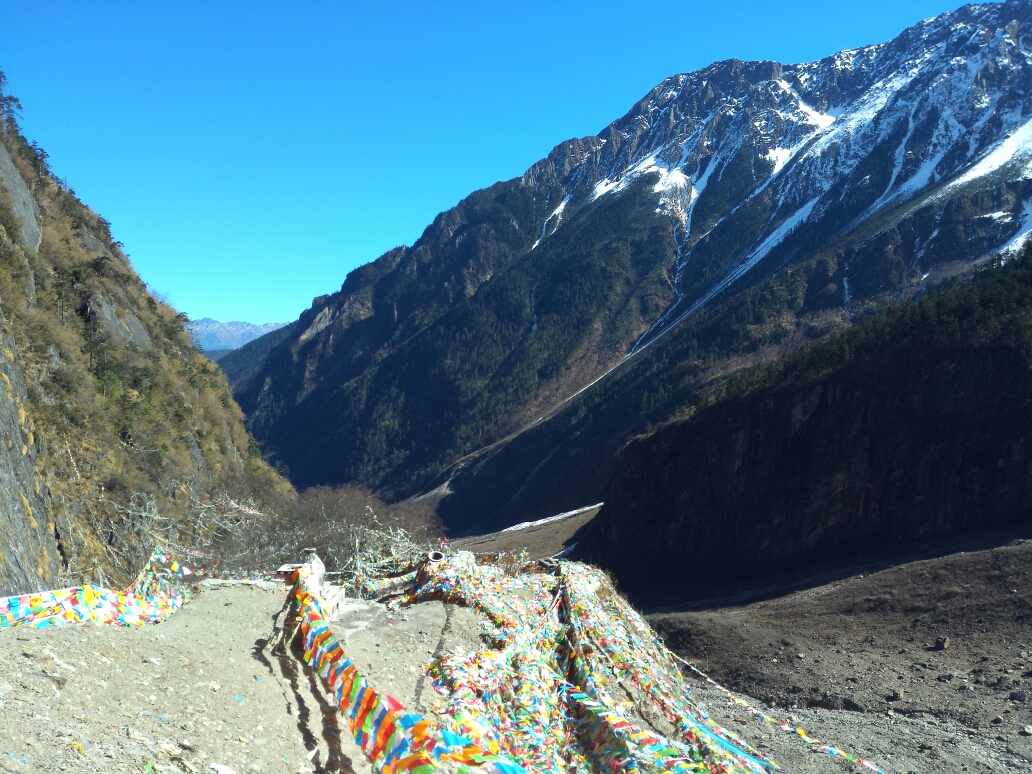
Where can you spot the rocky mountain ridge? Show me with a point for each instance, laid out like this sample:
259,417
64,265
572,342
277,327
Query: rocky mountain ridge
745,208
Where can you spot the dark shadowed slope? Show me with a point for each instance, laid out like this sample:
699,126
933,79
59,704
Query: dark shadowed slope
913,423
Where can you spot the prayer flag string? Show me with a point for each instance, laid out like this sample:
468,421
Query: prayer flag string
161,588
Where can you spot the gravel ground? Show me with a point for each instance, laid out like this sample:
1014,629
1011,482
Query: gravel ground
195,690
861,653
854,662
204,688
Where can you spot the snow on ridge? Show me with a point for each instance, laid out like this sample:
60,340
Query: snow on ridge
780,156
790,224
557,213
812,116
1016,243
929,86
1018,145
810,150
548,520
776,237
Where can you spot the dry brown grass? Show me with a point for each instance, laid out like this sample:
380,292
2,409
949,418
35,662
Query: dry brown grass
109,420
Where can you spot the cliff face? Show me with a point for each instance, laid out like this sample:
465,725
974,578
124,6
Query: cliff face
29,554
908,430
105,405
434,350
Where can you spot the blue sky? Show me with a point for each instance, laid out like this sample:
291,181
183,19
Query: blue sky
250,154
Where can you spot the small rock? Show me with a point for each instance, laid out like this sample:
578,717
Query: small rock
215,687
186,744
897,694
998,719
800,655
186,725
945,678
942,643
1018,696
1026,731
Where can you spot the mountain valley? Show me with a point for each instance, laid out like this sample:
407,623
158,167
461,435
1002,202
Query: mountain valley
755,359
497,367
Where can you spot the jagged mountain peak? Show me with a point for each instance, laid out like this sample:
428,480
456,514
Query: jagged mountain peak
870,127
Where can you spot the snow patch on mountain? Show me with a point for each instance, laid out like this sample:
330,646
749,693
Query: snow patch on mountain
829,143
209,334
557,216
1015,148
1017,243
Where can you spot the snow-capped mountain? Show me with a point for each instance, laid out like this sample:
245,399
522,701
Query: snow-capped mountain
910,154
734,210
209,334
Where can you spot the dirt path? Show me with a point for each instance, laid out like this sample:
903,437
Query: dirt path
195,690
205,688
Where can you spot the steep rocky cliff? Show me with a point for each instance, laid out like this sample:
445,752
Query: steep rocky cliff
912,424
105,403
28,539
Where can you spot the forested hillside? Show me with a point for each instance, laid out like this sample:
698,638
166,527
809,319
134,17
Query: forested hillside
916,422
435,350
106,403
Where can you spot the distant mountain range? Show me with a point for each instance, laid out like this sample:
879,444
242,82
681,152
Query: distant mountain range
501,363
209,334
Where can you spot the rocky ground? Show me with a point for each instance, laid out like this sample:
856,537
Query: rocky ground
853,661
196,690
935,654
